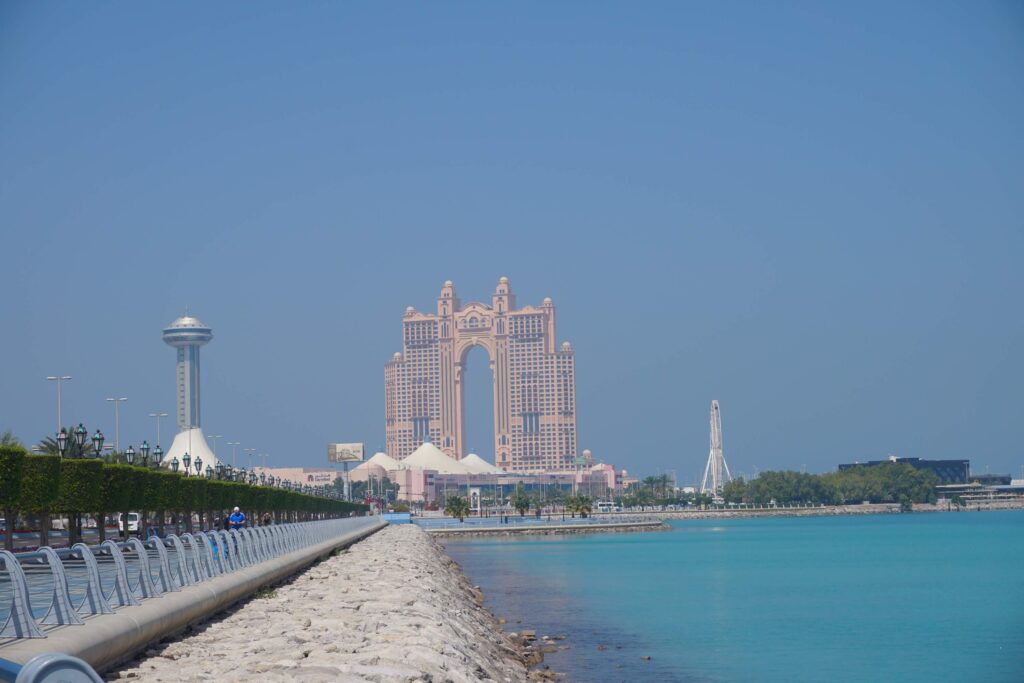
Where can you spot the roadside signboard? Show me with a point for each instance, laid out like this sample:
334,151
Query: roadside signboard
344,452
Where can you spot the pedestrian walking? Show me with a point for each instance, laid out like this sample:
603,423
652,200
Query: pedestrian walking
237,519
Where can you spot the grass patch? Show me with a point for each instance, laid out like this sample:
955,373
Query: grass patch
265,592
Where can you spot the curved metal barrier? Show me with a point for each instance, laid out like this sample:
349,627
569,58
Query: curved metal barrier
36,593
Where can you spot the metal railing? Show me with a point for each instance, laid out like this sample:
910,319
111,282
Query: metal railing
49,587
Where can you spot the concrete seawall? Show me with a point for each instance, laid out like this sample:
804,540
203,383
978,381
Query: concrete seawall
391,608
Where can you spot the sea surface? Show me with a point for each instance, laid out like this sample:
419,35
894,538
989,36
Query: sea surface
918,597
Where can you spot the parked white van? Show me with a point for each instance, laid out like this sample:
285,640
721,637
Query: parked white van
133,522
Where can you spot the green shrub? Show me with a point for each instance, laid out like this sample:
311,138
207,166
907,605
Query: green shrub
40,483
12,459
81,485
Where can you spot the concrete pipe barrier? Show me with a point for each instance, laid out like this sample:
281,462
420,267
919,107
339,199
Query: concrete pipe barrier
109,639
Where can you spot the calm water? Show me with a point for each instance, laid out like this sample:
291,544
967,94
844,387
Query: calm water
922,597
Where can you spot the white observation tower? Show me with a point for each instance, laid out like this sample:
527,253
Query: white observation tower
716,472
187,334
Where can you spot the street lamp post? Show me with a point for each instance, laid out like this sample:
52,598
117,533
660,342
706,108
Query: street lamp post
215,437
158,416
117,421
234,450
186,460
250,451
80,433
97,443
144,448
158,455
58,379
62,441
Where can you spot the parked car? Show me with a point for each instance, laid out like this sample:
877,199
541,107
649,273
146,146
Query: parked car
133,522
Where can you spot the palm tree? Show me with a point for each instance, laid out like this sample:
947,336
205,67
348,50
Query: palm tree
580,504
9,439
49,447
521,502
456,506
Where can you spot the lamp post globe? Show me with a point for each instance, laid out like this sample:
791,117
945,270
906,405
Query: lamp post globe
62,441
199,465
174,464
186,460
144,449
263,478
97,443
209,472
129,455
158,455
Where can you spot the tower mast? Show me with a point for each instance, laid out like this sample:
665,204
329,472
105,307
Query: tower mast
716,472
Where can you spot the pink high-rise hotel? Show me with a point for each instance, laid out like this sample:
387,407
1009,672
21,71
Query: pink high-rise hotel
534,381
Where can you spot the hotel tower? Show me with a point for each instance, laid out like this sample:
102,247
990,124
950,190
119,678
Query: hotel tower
534,381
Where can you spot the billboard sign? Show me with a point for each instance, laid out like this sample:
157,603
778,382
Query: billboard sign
344,452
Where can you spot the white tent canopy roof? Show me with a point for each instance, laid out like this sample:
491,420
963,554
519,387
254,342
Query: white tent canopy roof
193,442
381,460
430,457
480,466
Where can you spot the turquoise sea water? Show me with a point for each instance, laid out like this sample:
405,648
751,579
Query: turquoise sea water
920,597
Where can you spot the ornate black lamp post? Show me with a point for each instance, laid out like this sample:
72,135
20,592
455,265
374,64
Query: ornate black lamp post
144,448
62,441
263,478
186,460
129,455
80,435
199,465
174,465
220,470
97,443
158,455
209,472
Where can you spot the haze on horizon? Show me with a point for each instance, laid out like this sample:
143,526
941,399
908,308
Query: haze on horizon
810,212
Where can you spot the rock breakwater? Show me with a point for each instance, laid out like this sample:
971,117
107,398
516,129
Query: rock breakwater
392,608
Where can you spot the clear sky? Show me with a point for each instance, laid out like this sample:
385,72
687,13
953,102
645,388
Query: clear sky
812,212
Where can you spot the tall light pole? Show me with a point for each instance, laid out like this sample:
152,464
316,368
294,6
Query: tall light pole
58,379
234,450
250,451
215,437
158,416
117,422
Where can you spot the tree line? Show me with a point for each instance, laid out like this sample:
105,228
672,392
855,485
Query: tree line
38,486
889,482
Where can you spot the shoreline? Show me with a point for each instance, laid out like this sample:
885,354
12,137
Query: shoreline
657,520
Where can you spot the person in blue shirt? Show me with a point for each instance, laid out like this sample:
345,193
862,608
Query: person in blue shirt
237,519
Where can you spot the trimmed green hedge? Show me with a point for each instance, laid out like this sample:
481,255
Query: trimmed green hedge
11,460
46,483
40,483
81,485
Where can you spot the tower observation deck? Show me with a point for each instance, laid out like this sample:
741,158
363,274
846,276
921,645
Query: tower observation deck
187,334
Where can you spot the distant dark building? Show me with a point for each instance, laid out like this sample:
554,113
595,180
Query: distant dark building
948,471
991,479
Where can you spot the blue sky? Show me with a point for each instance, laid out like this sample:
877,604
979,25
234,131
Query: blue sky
811,212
